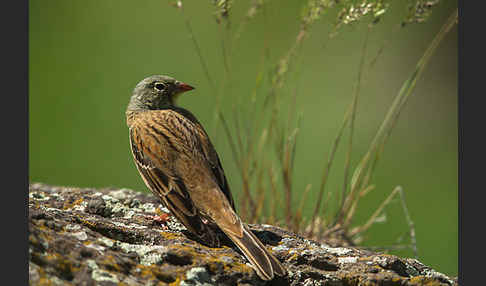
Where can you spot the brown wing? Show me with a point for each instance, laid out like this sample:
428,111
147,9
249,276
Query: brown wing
217,169
210,155
154,152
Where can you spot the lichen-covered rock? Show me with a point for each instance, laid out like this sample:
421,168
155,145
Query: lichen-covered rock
122,237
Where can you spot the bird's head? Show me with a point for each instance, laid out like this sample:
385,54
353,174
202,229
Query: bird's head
156,92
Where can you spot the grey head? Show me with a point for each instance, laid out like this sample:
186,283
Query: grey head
156,92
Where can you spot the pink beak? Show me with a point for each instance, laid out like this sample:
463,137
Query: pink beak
184,87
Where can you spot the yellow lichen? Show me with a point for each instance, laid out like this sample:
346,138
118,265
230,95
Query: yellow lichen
170,235
177,282
110,262
426,281
44,281
71,205
88,223
294,256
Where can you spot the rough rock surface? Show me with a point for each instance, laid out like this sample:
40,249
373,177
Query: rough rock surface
110,237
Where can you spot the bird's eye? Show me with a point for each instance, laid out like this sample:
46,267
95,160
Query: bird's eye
159,86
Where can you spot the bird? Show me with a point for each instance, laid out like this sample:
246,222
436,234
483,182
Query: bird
179,164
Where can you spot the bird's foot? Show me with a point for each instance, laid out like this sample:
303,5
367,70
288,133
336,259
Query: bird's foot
160,219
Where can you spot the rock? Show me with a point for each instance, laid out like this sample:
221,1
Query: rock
83,236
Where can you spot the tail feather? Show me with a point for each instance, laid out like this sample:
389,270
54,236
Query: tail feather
277,266
266,265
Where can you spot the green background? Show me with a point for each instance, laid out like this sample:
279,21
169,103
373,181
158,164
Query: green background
85,57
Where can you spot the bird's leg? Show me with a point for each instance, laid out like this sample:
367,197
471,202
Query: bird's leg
160,218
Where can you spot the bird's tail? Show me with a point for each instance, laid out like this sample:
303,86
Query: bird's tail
265,263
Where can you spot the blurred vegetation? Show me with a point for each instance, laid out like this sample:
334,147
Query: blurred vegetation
292,94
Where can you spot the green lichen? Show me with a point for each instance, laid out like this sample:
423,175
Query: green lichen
197,276
106,241
103,275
